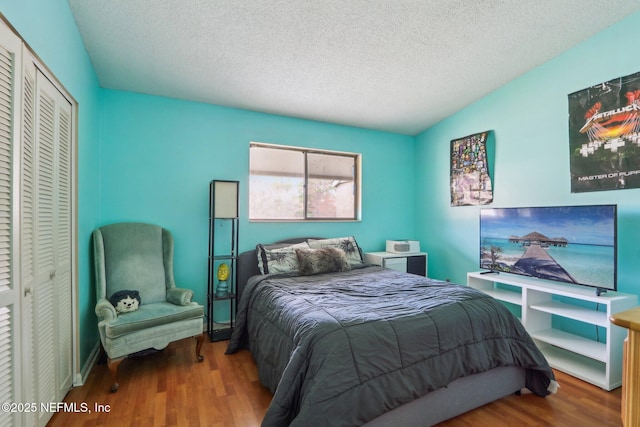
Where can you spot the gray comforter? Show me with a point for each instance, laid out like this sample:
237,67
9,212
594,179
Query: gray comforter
343,348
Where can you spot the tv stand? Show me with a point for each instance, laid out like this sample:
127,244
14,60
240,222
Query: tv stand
539,302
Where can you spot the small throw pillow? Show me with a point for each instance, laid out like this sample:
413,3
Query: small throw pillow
325,260
125,301
347,244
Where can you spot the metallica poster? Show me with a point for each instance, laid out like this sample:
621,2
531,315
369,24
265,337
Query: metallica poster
470,181
604,136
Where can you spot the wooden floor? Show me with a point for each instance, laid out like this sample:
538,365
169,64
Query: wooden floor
169,388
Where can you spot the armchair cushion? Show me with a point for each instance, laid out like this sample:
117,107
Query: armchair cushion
151,315
133,257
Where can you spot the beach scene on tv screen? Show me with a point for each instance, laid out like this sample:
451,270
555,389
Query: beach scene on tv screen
569,244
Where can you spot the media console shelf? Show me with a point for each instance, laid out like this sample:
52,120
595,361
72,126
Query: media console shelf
598,362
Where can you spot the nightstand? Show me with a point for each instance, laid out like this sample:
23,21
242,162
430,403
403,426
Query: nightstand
414,263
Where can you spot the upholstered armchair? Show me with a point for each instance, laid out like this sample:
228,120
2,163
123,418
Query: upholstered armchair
139,257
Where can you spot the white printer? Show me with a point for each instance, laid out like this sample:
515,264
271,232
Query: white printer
403,246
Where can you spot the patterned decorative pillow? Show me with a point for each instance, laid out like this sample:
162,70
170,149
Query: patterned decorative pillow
125,301
278,257
325,260
347,244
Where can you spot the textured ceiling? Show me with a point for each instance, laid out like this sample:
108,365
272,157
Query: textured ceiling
394,65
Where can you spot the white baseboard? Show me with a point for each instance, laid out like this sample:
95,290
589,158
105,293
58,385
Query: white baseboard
81,377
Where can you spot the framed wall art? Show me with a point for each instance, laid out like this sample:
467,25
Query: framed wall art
470,180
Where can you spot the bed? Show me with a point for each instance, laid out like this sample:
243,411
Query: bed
360,345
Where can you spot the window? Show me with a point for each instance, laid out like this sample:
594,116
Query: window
297,184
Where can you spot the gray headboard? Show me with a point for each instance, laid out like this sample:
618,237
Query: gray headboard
248,263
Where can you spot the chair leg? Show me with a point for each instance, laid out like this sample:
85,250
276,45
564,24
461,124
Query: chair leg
102,356
199,342
113,368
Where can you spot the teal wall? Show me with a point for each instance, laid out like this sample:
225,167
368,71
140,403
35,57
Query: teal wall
529,119
158,156
49,28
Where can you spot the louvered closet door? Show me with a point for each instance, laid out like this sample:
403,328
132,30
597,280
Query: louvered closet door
27,231
10,332
63,239
35,235
50,220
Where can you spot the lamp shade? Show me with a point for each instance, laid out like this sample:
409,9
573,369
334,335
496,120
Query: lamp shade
224,199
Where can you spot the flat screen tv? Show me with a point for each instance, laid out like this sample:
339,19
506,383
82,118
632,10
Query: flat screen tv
572,244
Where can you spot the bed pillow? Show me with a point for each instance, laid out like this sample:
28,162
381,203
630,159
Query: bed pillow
325,260
278,257
347,244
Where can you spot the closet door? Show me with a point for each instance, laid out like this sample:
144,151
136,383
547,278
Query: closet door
50,214
62,237
27,232
10,324
36,235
